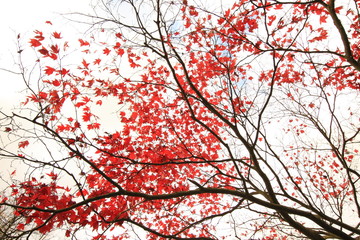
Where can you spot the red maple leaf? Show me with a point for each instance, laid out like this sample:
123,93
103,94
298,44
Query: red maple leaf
55,48
56,35
63,71
97,61
43,95
86,116
43,51
83,43
49,70
106,51
23,144
35,42
85,64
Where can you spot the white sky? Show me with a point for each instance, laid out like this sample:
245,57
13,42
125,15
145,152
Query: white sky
25,16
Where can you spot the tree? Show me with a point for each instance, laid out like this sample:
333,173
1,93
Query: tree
238,122
9,223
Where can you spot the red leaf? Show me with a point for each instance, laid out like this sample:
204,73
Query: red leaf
55,48
34,43
118,35
97,61
344,185
86,99
23,144
42,95
43,51
56,83
56,35
85,64
48,22
39,35
79,104
120,52
49,70
93,126
53,56
52,175
38,221
83,43
66,46
106,51
86,116
63,71
323,18
20,226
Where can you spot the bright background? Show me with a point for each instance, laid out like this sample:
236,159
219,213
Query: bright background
23,17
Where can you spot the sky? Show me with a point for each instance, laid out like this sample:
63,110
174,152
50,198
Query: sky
23,17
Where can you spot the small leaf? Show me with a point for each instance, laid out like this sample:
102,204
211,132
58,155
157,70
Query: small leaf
20,226
23,144
43,51
55,48
56,35
49,70
34,43
106,51
83,43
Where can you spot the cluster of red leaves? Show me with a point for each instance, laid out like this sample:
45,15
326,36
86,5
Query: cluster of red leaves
50,196
146,139
174,118
37,194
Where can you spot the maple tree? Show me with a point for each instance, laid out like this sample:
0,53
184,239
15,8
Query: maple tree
9,223
238,122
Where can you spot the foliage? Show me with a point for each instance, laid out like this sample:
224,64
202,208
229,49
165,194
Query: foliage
240,122
9,223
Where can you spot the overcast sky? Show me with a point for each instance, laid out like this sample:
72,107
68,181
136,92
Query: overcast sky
23,17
